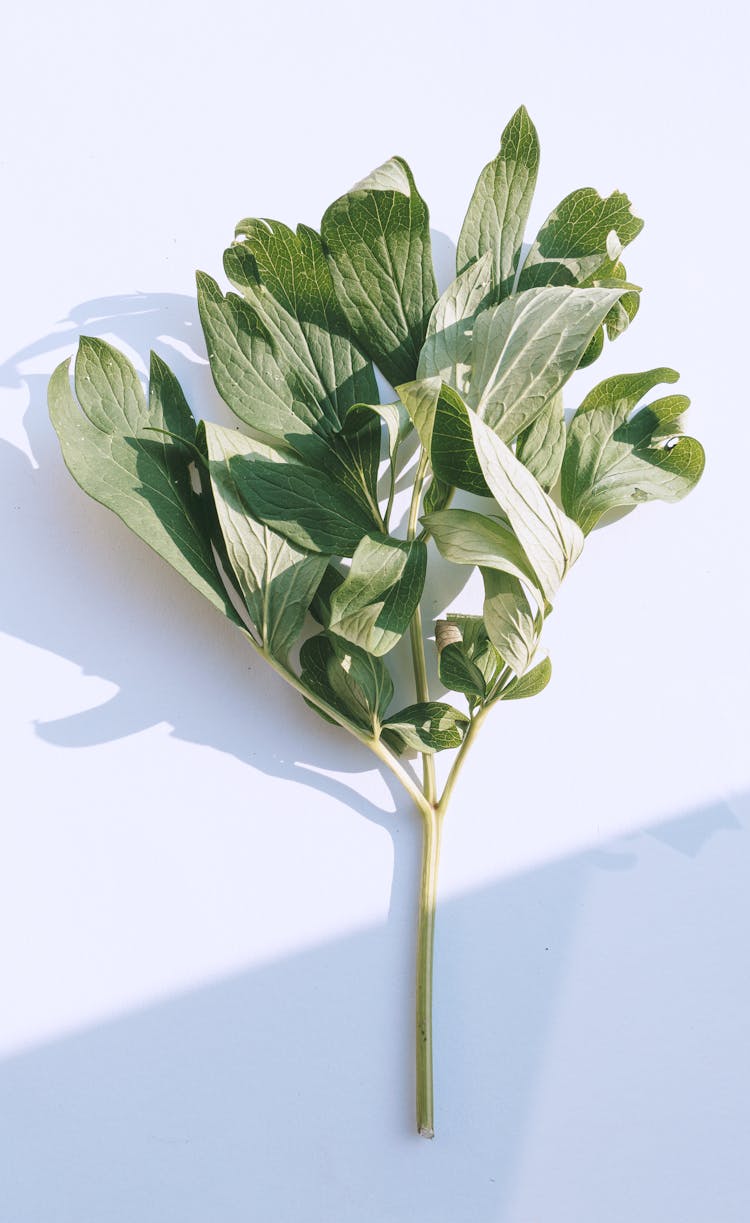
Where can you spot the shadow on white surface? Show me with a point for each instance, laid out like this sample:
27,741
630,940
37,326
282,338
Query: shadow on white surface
573,1004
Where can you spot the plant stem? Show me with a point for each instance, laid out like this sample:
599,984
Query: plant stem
415,632
432,825
461,755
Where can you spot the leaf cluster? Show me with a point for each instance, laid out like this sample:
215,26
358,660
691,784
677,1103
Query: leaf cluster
290,513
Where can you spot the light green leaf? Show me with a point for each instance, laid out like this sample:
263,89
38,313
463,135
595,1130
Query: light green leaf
550,540
286,279
142,476
499,207
583,235
512,625
277,580
533,682
447,347
467,538
305,504
526,348
374,604
429,727
613,460
541,447
377,240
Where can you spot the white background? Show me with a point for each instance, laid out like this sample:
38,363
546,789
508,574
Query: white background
208,896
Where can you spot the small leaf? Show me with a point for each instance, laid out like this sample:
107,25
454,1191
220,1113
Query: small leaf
438,495
512,626
541,447
320,607
530,684
374,604
499,207
377,240
113,454
360,679
439,415
613,460
455,667
315,655
478,647
575,241
429,727
277,580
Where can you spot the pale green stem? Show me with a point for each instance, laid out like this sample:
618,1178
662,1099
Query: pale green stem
461,755
415,632
432,826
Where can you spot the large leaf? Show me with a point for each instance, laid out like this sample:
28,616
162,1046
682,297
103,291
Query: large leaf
429,727
467,538
277,580
374,604
512,625
377,239
285,277
581,238
111,450
500,204
525,349
613,460
541,447
447,346
550,540
308,505
277,400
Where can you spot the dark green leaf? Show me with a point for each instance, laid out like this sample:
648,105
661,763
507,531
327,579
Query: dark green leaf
477,646
583,235
456,669
377,239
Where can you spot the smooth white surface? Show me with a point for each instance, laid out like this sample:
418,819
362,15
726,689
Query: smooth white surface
207,895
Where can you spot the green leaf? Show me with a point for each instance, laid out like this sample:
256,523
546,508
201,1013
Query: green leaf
550,540
363,420
277,580
613,460
512,625
438,495
277,402
429,727
467,538
305,504
142,476
529,684
541,447
583,235
477,646
286,279
447,346
374,604
499,207
377,240
440,418
526,348
349,679
456,669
